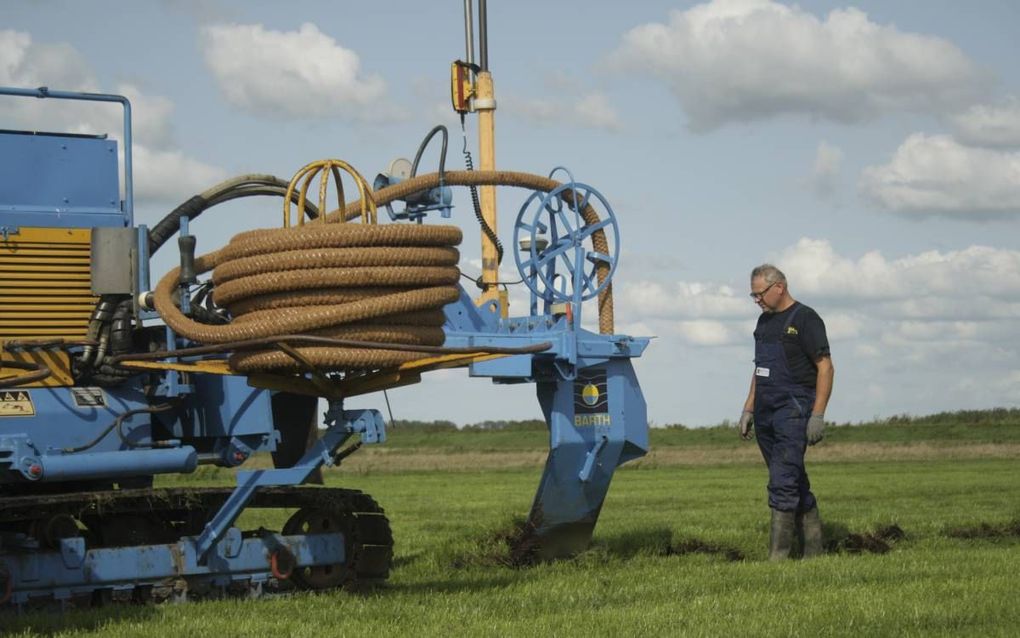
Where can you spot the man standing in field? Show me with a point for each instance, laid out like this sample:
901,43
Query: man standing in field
790,389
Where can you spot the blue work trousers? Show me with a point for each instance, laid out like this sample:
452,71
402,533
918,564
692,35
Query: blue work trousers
782,439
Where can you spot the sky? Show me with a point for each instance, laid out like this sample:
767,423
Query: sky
870,150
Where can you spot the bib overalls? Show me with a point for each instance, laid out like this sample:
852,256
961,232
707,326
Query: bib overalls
782,408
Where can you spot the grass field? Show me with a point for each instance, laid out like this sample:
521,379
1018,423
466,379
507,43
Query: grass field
679,549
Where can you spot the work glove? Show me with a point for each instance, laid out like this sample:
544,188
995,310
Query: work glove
815,428
746,423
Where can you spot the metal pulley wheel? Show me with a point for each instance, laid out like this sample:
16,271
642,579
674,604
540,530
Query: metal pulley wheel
553,244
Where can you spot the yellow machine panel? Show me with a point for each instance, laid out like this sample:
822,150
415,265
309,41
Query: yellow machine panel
45,293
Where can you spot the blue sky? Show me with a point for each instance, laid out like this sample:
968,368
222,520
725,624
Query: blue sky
871,150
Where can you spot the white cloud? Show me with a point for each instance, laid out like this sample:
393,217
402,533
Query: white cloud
162,172
151,118
954,297
24,63
594,111
954,277
1008,386
741,60
935,330
684,300
991,125
704,332
826,169
935,174
867,351
303,73
589,110
841,326
170,176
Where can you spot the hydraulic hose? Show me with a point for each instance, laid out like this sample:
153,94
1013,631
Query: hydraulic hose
36,372
250,185
424,144
234,188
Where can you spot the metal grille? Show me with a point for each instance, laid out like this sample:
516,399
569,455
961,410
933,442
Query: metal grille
45,284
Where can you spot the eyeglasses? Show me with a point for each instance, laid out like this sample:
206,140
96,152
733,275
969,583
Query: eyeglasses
758,295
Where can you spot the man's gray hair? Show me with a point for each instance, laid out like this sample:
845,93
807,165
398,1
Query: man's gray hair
769,273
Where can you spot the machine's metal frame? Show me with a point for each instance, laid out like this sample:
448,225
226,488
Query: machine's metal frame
586,387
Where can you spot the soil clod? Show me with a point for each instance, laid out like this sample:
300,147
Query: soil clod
696,546
878,542
514,545
986,531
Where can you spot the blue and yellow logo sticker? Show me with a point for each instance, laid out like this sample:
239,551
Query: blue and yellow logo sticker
591,399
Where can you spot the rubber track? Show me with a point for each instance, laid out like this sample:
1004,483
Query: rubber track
370,545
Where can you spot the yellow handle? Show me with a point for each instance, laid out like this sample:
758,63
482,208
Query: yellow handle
369,214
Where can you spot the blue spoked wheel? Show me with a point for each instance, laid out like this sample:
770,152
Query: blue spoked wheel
557,259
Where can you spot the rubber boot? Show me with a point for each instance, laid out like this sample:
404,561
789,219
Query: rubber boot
810,526
781,534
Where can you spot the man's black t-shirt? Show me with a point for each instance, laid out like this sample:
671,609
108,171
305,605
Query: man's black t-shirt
804,342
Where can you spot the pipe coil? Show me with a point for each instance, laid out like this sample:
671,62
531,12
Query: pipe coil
359,282
498,178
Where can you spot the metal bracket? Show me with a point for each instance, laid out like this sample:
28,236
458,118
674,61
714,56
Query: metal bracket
342,425
589,461
72,551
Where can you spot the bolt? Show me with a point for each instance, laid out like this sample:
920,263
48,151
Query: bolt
35,470
239,456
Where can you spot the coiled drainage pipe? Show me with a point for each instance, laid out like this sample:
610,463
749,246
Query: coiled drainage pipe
500,178
349,281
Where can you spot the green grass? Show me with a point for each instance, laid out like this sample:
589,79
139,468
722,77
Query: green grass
445,582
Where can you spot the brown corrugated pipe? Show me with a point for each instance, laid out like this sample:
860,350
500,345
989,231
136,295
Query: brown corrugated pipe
351,281
500,178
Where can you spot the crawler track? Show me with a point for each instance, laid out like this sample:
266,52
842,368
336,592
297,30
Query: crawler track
138,517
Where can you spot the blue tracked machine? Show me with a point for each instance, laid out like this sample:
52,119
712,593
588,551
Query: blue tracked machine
110,378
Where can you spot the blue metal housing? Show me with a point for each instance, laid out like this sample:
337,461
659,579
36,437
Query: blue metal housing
42,191
59,181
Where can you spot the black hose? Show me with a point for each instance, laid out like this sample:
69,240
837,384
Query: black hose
224,192
121,328
245,186
169,225
476,202
119,425
425,143
116,425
